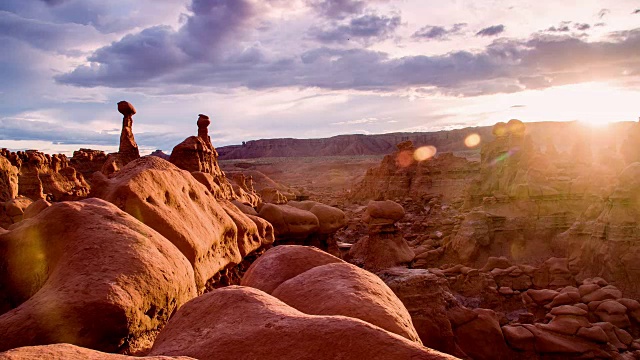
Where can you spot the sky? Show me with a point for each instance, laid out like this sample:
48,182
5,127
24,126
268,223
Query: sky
307,68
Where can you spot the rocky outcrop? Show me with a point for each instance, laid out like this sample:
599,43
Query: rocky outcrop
87,161
245,323
402,175
211,233
196,154
300,275
47,176
8,180
12,211
128,150
71,352
603,241
384,247
88,274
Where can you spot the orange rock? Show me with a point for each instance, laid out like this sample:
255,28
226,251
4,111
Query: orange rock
173,203
72,352
245,323
89,274
354,292
282,263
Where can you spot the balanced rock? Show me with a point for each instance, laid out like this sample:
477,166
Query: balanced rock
128,150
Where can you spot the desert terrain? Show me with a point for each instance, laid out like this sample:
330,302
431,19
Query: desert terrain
504,248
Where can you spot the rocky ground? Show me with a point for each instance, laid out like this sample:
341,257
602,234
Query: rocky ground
516,250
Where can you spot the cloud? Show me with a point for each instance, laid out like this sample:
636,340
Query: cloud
581,26
506,65
338,9
491,30
567,26
603,12
439,32
46,35
366,29
357,122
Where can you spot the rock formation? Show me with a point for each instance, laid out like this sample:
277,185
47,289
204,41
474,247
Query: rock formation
128,150
213,234
8,180
354,292
239,322
47,176
71,352
446,175
87,161
88,274
384,247
196,154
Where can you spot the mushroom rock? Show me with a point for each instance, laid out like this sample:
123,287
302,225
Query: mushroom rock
128,150
211,233
385,246
88,274
72,352
203,127
245,323
197,154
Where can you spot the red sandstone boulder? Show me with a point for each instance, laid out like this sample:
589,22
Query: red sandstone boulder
282,263
89,274
290,222
72,352
482,337
172,202
245,323
344,289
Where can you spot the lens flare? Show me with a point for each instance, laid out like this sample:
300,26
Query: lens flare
472,140
424,153
404,159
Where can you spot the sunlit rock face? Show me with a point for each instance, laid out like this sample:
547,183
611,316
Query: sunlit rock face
197,154
89,274
88,161
604,240
211,233
47,176
415,173
527,196
8,180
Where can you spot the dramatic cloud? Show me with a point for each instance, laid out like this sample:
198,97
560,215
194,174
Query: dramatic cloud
507,65
439,32
366,29
491,30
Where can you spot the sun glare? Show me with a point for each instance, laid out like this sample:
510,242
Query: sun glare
424,153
